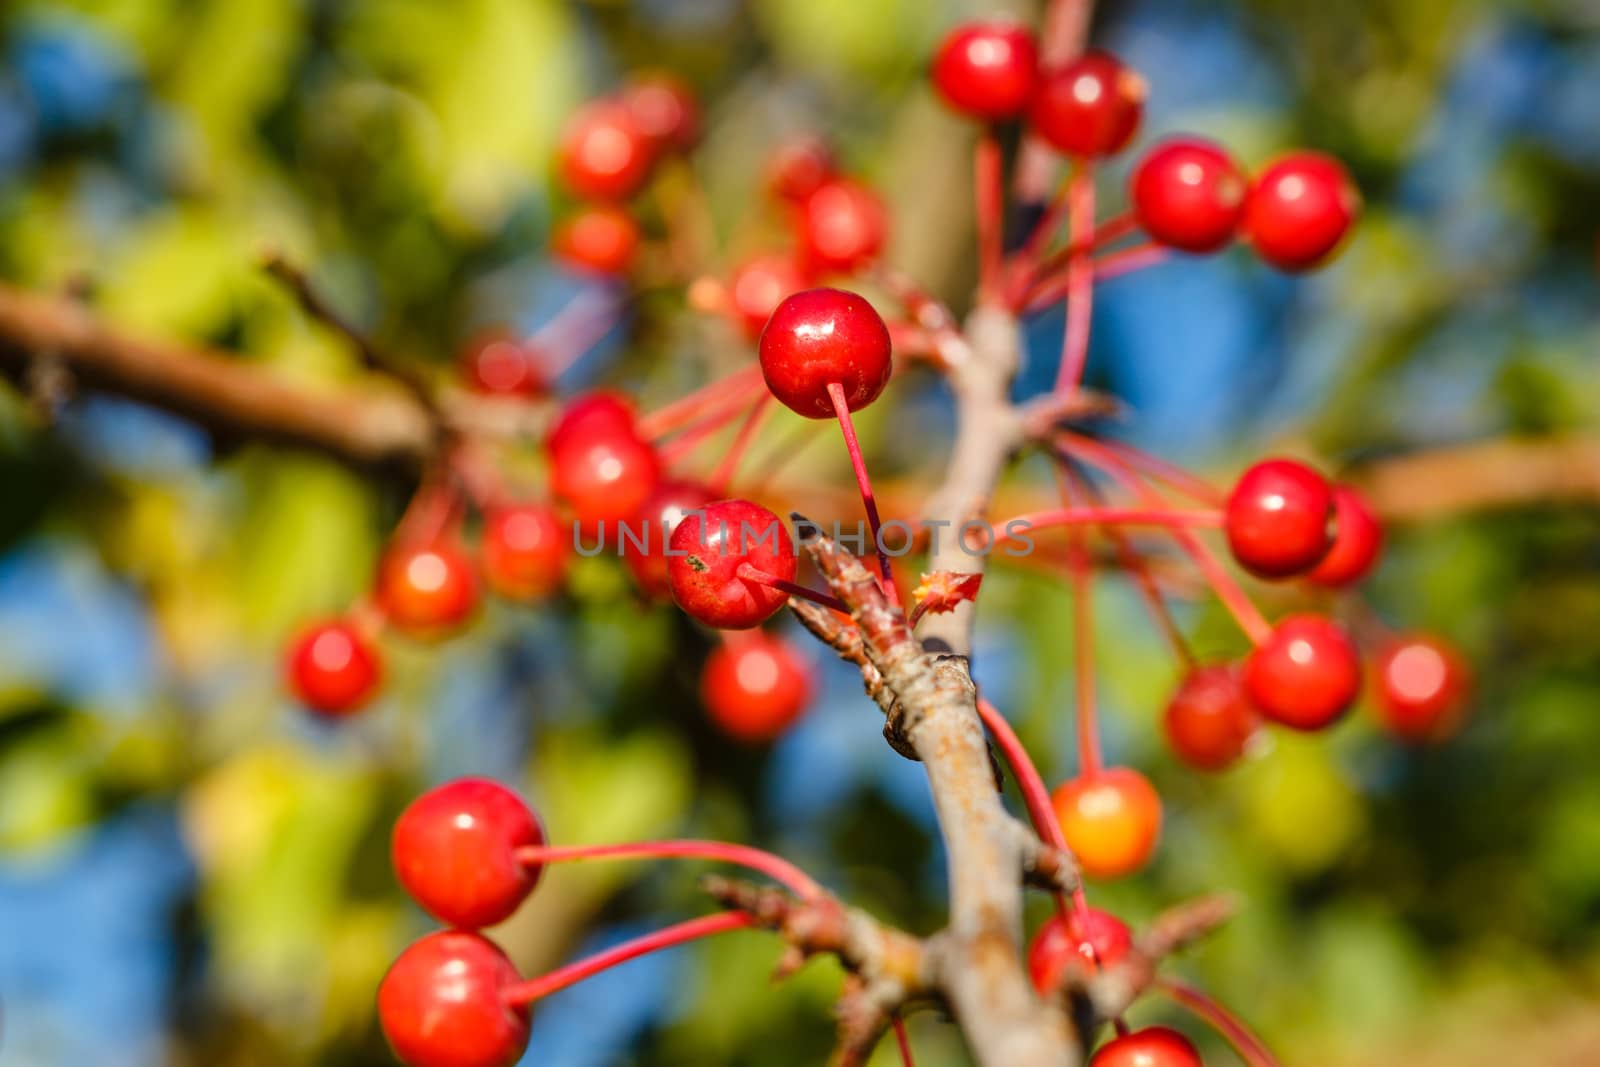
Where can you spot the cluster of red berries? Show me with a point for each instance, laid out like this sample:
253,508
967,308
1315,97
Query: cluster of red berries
1187,193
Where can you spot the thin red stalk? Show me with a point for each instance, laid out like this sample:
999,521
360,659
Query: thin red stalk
988,183
1078,516
1035,794
533,989
696,434
1113,229
1233,597
574,330
1168,473
1089,756
429,512
1249,1047
1080,282
841,408
903,1040
687,408
751,573
729,463
1128,260
789,446
777,868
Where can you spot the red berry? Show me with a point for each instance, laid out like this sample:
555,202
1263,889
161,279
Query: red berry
601,412
1103,939
707,550
1277,518
525,550
426,590
1210,720
1111,820
665,111
755,686
820,336
604,477
1090,107
601,237
603,154
498,363
798,168
1306,675
441,1004
454,851
1154,1046
757,287
1422,688
987,69
643,543
1299,209
1357,541
1188,194
843,226
333,668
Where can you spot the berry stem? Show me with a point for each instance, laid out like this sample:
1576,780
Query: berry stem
1035,794
1089,756
1250,1048
574,330
696,434
1080,281
777,868
903,1040
718,482
1113,229
841,408
1169,473
1098,516
989,187
430,511
751,573
1127,260
687,408
523,993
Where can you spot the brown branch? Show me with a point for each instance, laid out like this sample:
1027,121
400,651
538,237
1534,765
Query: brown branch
1482,475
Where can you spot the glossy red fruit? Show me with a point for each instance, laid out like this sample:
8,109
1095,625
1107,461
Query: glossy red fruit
1357,541
987,69
758,286
1422,688
643,543
1102,939
799,167
755,687
820,336
1299,210
604,477
498,363
843,227
1306,675
425,591
440,1004
1111,820
707,550
601,412
602,238
1210,719
526,548
333,669
1188,194
454,851
1278,518
665,111
604,155
1090,107
1154,1046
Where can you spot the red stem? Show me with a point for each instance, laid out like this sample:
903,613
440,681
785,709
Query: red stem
841,408
1035,794
903,1040
1113,229
430,511
696,434
533,989
687,408
751,573
1080,281
1127,260
1078,516
990,191
1249,1047
718,483
777,868
573,330
1169,473
1089,756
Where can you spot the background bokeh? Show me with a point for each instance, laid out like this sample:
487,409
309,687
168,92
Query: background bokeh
193,872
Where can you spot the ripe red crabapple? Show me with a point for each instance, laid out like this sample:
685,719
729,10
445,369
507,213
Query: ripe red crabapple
1306,675
1422,688
498,363
758,286
987,69
1111,820
333,669
603,153
1277,518
820,336
755,686
1187,194
604,411
602,238
709,548
441,1004
1210,719
842,226
799,167
426,591
1103,939
665,111
604,477
644,546
1357,541
1299,209
1090,107
525,550
1154,1046
454,851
